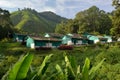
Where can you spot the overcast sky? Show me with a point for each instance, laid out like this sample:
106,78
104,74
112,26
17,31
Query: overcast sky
64,8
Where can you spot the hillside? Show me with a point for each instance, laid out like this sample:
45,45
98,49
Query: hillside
32,21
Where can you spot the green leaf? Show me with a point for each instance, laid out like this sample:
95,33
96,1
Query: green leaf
77,77
44,66
94,69
53,75
60,71
73,62
69,67
20,69
85,70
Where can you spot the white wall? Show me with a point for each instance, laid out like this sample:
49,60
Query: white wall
69,43
79,42
96,41
109,40
32,46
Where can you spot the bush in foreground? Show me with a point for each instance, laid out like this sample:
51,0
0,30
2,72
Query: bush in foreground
71,71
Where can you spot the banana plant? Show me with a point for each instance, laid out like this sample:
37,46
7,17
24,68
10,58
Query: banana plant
20,69
71,70
85,74
41,74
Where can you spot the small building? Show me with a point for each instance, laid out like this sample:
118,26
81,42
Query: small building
74,39
42,42
102,39
109,38
67,40
93,39
79,40
19,37
87,36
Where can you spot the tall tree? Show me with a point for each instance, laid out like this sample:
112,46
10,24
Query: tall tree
5,23
93,20
60,28
115,30
116,3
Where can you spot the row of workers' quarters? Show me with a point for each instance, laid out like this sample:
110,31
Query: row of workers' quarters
54,40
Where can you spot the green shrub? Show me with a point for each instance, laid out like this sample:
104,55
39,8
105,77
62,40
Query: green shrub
20,69
70,71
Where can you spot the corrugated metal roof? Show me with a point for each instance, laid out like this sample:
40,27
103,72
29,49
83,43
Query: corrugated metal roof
45,39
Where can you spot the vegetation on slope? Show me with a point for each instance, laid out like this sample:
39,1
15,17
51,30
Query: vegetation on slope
33,22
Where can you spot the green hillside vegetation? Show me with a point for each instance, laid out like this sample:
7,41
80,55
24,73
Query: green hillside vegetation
31,21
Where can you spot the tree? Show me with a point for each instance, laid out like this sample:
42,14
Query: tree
60,28
115,30
93,20
5,23
116,3
70,26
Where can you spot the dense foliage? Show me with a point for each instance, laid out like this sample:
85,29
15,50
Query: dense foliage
31,21
5,24
70,71
92,20
116,19
10,52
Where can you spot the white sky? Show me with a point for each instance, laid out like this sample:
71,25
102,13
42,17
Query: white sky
64,8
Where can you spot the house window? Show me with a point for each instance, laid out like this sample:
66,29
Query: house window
79,42
48,44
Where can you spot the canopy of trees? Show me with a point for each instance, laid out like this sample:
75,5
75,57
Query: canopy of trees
5,23
92,20
116,19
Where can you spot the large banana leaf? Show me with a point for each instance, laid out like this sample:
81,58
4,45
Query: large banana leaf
85,70
78,75
20,69
94,69
44,66
69,68
61,73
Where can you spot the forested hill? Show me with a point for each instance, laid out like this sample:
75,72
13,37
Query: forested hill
31,21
